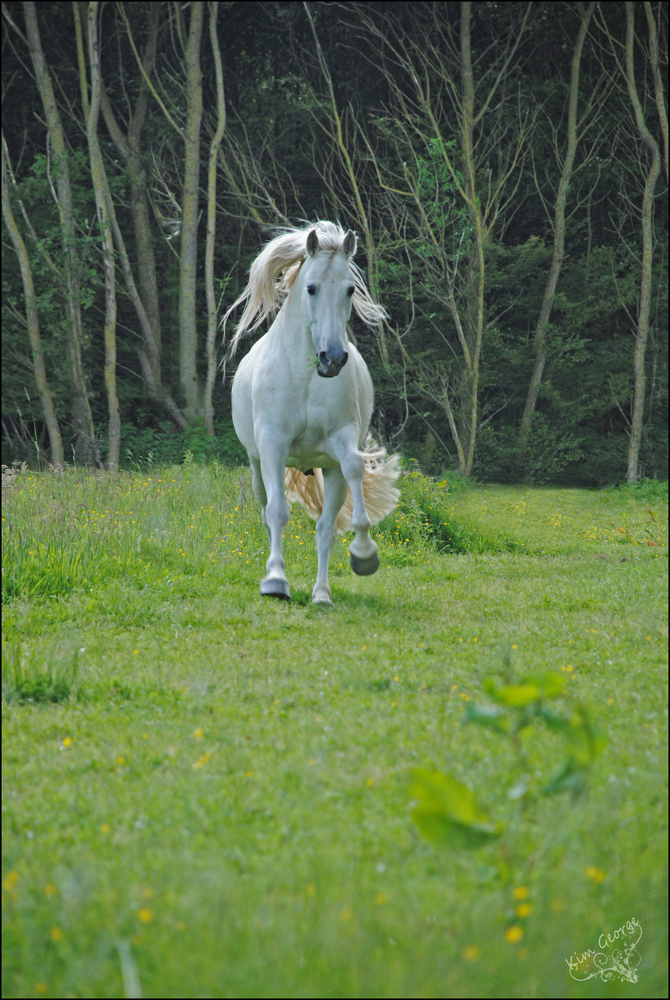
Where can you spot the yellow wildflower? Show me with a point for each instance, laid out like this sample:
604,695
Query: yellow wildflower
514,934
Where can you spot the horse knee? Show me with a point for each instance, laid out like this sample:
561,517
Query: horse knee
277,512
353,466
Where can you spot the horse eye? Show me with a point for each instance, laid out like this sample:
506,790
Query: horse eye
311,289
350,290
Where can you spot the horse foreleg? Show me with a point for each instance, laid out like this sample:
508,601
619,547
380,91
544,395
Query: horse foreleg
363,554
269,474
334,495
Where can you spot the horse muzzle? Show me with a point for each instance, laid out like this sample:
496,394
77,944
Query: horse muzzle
331,365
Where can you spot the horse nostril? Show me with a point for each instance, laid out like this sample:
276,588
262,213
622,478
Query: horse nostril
329,364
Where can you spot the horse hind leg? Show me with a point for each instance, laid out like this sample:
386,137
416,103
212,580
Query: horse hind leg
334,495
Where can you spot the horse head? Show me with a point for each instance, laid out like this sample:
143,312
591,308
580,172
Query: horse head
327,301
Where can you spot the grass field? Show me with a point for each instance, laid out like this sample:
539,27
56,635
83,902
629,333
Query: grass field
210,793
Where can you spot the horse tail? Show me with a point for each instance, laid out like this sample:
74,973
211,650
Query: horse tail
379,491
307,490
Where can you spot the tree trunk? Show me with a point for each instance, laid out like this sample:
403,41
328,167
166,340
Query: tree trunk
39,368
85,446
539,342
188,336
470,402
426,120
212,314
644,309
145,299
99,188
146,261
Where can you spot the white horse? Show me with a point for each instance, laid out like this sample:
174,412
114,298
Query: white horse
302,398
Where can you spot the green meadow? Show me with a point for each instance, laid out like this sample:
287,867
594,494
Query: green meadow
208,793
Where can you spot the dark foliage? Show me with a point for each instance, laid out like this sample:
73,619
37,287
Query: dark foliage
282,165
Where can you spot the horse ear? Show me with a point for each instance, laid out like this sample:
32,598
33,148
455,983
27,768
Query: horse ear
312,242
349,245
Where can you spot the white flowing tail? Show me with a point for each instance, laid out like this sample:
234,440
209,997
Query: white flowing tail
381,496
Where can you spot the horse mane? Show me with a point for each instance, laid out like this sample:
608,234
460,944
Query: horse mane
273,273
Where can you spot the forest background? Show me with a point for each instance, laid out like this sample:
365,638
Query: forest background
504,165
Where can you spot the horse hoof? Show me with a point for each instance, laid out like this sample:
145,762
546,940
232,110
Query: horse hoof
276,588
364,567
322,602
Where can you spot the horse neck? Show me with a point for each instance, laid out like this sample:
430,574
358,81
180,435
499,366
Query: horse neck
290,324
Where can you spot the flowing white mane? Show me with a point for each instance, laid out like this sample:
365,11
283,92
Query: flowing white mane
274,271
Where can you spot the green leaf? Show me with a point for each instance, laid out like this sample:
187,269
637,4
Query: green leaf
551,683
557,723
571,777
533,688
584,745
489,716
525,720
515,695
447,813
